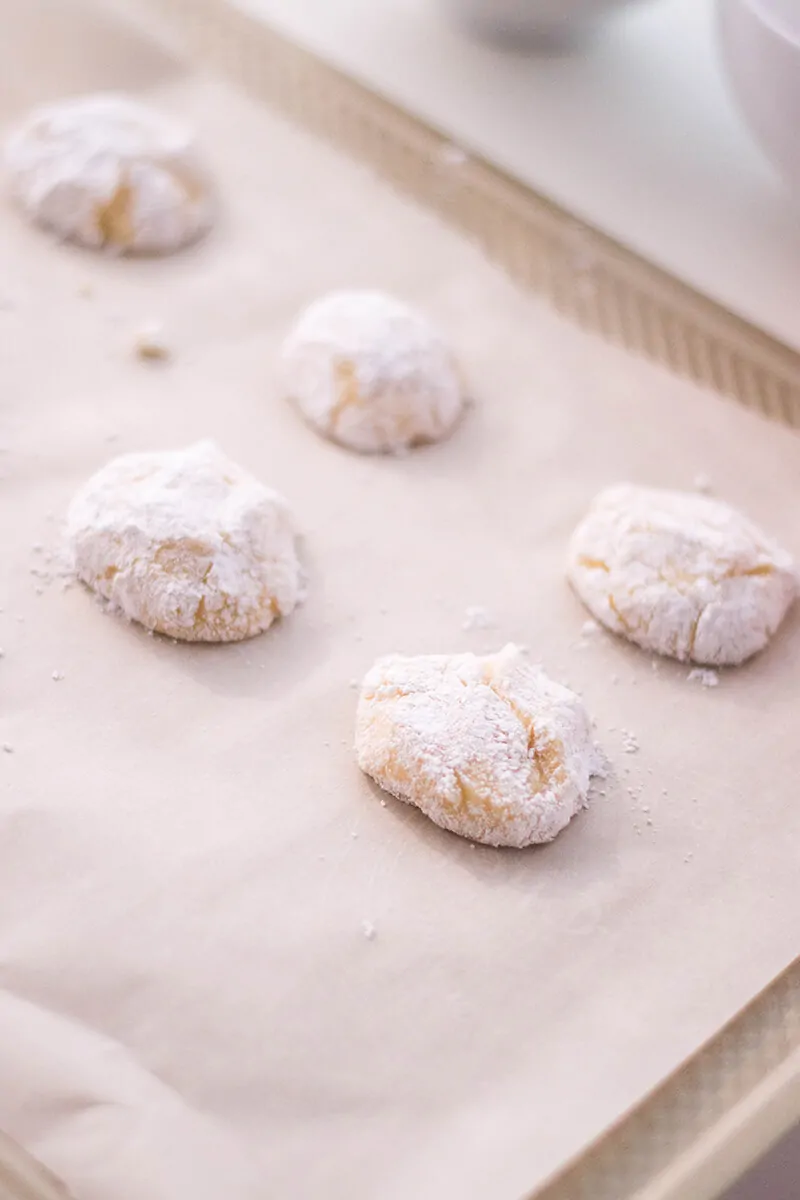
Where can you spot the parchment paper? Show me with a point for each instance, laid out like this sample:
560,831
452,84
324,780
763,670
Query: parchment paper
187,850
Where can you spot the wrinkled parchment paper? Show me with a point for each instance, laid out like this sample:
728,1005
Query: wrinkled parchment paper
189,1006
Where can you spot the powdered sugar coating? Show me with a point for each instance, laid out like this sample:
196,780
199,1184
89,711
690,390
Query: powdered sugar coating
488,747
372,374
186,543
680,574
108,172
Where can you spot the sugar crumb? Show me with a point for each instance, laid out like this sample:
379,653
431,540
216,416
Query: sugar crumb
476,617
630,743
149,344
368,930
704,676
8,748
58,676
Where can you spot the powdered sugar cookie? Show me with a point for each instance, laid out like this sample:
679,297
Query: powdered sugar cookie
186,543
489,748
680,574
371,373
107,171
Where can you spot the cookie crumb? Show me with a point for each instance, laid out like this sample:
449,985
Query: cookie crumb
704,676
149,344
630,743
589,627
702,482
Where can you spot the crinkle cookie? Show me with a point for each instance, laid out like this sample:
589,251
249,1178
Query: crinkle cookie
186,543
372,374
488,747
110,173
680,574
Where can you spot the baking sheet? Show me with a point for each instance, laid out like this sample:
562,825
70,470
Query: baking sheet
189,1003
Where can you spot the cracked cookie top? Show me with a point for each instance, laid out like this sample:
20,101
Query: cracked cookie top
488,747
372,374
186,543
109,173
680,574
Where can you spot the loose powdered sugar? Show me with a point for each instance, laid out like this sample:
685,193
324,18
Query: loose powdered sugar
107,171
488,747
371,373
187,543
703,676
476,617
630,742
680,574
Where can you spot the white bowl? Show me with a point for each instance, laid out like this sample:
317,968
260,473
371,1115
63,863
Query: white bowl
760,42
530,20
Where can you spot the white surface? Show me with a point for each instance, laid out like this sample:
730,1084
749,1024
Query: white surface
760,43
637,133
